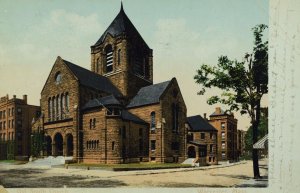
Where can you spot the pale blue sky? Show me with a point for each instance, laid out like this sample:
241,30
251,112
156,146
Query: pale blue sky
182,33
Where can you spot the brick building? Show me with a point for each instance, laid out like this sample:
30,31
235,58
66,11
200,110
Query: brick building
113,113
15,126
241,142
226,125
201,141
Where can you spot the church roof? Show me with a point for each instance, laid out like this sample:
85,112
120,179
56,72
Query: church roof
131,117
197,123
93,80
120,25
149,94
107,100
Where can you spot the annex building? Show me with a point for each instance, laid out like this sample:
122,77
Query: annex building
113,113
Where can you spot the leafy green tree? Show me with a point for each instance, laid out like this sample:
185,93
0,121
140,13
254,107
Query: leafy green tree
243,83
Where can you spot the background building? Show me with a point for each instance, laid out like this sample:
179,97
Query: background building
226,125
202,140
15,126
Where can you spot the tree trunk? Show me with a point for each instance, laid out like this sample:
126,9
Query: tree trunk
254,139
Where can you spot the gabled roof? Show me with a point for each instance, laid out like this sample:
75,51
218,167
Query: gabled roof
93,80
120,25
131,117
197,123
149,94
107,100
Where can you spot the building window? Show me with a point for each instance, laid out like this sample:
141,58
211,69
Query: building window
9,112
152,121
9,124
211,147
211,135
94,123
58,78
53,108
124,132
67,102
141,145
91,123
62,106
113,145
223,125
97,65
12,111
223,135
223,145
0,125
3,114
49,109
109,58
152,158
175,146
109,111
4,124
223,155
202,135
175,111
153,145
209,159
119,56
190,137
0,114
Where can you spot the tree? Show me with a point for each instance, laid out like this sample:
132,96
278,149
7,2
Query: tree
262,130
243,83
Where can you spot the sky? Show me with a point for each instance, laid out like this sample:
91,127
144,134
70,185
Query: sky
183,34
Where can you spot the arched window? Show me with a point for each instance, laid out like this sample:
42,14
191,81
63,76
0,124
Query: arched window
152,127
49,109
57,108
67,102
58,78
109,58
175,111
62,105
53,108
97,65
97,144
119,56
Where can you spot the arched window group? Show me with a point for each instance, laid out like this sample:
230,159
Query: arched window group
175,112
58,107
92,144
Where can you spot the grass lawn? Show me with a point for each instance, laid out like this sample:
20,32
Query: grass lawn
134,165
13,161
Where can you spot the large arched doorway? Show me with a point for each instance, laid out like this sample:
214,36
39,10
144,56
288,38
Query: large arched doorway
48,145
70,145
191,152
58,140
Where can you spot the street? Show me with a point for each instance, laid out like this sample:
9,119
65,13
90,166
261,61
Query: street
230,175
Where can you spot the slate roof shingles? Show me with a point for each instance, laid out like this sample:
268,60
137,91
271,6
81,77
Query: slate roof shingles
149,94
197,123
91,79
121,25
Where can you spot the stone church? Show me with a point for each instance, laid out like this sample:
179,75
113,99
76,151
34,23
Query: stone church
113,113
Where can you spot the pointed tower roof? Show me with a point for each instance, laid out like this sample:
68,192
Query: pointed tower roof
120,25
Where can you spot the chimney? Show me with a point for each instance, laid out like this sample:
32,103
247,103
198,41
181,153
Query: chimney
218,110
25,98
204,115
14,96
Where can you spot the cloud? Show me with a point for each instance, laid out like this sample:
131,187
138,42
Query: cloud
27,59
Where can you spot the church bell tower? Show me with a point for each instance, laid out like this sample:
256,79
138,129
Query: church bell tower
123,56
